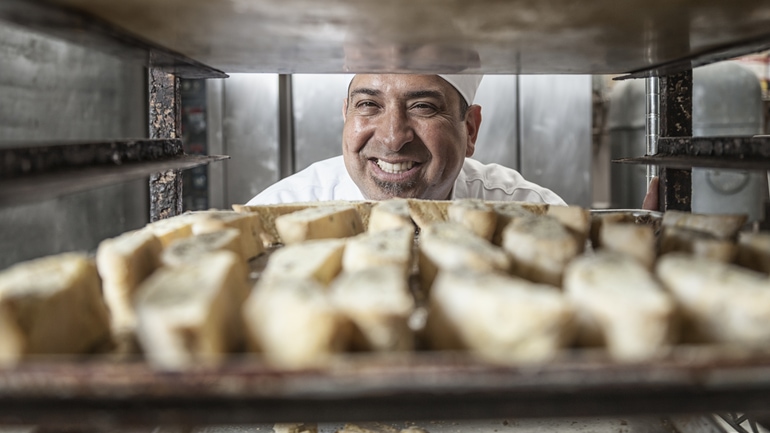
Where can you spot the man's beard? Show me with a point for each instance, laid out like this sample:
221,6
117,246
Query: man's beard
396,189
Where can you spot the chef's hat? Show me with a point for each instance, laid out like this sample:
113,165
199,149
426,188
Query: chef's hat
465,84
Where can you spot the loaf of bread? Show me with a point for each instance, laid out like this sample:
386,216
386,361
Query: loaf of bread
190,314
721,226
391,247
319,223
451,246
619,303
475,215
598,221
635,240
194,247
697,243
123,263
500,317
721,302
539,248
50,306
320,260
390,214
294,324
379,303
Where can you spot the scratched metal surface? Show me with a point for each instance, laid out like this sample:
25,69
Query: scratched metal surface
492,36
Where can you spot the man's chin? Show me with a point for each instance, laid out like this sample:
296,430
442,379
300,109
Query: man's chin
396,189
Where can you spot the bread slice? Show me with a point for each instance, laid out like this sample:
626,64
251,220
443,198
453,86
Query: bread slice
451,246
320,260
754,251
721,302
575,218
475,215
124,262
721,226
379,303
701,244
325,222
598,221
249,225
294,324
193,248
427,212
190,314
618,302
635,240
268,213
500,317
393,247
510,211
540,248
390,214
51,305
170,229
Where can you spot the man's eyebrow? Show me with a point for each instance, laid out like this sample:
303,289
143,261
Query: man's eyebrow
424,94
365,91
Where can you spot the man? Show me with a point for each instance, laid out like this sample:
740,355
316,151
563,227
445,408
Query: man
408,136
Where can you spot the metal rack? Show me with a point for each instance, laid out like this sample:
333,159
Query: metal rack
643,38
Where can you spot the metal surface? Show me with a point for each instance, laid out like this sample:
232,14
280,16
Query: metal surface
686,162
386,388
498,140
555,141
286,157
727,101
53,91
92,33
675,186
251,129
626,125
514,36
652,122
35,188
318,117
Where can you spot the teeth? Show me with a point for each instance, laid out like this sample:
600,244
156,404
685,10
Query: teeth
395,168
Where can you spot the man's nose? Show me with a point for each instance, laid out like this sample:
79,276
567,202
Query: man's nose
394,130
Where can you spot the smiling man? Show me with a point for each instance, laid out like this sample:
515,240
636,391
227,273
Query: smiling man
408,136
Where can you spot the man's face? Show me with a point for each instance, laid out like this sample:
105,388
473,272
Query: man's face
404,135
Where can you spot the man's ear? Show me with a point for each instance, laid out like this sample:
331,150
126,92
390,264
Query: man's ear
345,109
472,125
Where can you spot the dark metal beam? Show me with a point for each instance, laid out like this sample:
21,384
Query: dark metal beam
675,187
165,122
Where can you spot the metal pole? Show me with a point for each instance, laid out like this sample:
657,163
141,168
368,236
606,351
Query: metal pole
652,122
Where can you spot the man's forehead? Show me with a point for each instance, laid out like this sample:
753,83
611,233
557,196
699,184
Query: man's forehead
399,85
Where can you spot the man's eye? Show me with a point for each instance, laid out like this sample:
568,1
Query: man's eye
423,106
366,104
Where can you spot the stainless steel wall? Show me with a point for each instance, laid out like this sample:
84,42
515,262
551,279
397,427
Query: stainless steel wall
556,134
551,115
52,90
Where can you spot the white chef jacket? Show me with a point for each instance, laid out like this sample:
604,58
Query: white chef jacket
329,180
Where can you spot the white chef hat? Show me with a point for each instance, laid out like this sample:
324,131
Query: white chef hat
465,84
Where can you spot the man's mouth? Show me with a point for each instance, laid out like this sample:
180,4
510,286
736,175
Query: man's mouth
395,168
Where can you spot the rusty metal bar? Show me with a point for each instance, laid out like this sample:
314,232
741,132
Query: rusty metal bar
165,122
28,160
675,187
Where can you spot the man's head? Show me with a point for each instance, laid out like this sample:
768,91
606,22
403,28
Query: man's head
408,135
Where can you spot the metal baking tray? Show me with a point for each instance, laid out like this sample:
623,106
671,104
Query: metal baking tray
421,385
